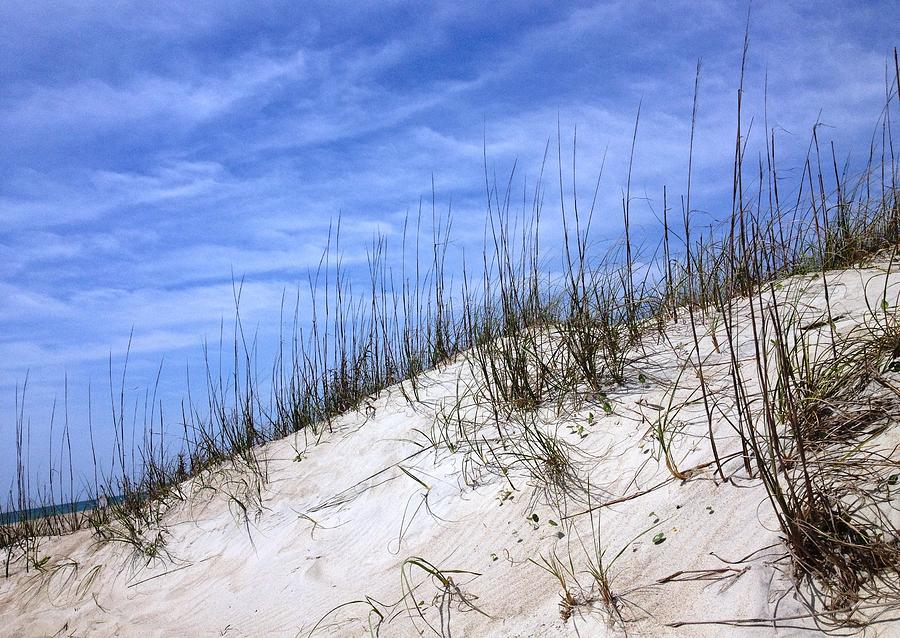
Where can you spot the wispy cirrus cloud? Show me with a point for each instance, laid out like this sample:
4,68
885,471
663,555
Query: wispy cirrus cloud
94,105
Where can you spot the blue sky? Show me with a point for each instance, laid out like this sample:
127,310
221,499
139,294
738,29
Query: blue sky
152,152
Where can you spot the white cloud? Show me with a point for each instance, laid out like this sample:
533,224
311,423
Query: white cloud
93,105
22,304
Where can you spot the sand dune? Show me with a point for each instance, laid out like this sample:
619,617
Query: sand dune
350,532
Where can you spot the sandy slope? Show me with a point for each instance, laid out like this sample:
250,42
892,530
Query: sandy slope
338,526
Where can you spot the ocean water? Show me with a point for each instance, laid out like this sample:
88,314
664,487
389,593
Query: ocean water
8,518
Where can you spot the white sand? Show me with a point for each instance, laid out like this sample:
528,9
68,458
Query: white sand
338,525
